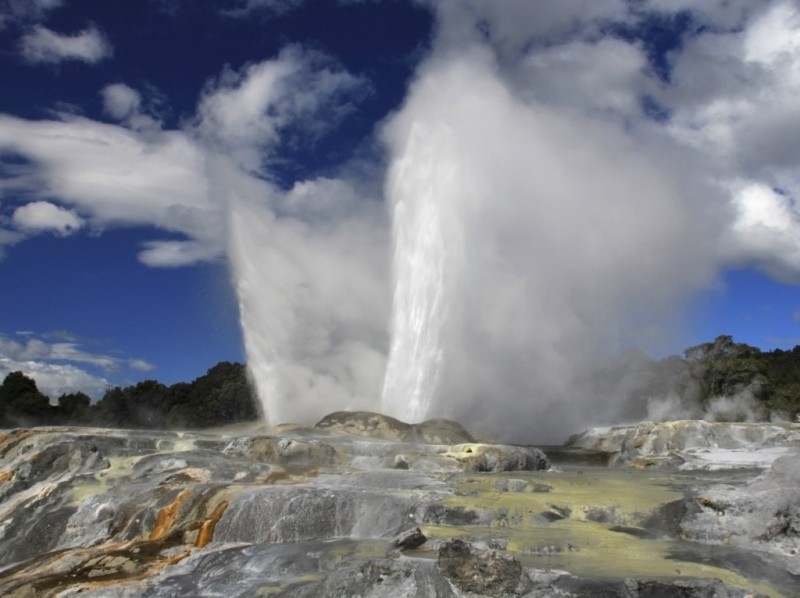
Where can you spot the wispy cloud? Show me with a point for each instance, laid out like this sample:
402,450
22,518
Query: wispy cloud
25,10
61,366
243,8
117,176
43,45
140,365
37,349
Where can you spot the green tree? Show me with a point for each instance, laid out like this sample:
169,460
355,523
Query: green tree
726,368
782,369
22,403
112,410
222,396
74,407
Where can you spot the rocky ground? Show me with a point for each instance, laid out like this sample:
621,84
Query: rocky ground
366,505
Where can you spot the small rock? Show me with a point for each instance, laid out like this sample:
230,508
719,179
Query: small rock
400,462
557,513
409,539
498,457
480,571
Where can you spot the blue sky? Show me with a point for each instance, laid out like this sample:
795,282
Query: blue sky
165,164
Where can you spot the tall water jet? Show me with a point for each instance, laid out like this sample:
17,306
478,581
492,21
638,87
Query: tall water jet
420,297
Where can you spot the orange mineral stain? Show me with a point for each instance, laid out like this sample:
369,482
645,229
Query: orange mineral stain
167,516
206,533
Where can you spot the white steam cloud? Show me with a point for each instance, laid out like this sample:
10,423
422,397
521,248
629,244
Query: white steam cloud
309,262
556,234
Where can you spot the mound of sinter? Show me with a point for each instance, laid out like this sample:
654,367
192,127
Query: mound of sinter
358,505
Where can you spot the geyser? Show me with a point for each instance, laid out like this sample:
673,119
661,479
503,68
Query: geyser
537,216
528,240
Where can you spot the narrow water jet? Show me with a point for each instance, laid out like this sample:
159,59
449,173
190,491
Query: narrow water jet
420,303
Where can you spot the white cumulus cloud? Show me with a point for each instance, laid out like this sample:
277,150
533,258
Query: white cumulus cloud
43,215
53,380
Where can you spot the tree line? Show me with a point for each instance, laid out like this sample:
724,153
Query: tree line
222,396
747,382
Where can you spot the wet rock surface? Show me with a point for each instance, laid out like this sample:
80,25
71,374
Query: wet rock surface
691,444
330,511
482,571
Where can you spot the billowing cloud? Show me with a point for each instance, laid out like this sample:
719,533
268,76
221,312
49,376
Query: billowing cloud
733,96
766,231
138,174
246,114
43,215
514,26
42,45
